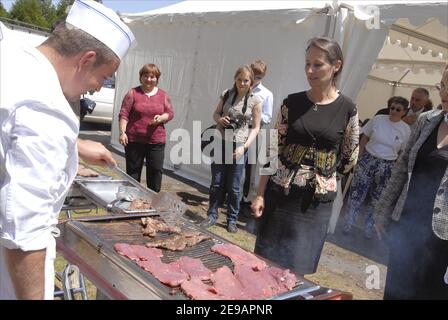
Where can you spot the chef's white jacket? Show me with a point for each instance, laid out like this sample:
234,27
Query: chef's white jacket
38,153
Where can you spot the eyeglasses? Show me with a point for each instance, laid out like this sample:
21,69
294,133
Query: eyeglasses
396,109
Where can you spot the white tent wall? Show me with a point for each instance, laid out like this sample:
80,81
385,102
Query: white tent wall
198,61
199,51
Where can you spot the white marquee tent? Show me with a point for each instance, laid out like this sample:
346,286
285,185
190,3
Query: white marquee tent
198,45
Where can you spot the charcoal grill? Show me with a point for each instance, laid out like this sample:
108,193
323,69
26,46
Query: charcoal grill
89,245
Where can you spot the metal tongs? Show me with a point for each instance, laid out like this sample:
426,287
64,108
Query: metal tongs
122,194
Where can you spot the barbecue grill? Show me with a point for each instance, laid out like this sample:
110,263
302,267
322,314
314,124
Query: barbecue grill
88,243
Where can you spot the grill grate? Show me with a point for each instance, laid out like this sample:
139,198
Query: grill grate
130,231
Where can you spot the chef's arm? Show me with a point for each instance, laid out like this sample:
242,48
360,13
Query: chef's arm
27,272
95,153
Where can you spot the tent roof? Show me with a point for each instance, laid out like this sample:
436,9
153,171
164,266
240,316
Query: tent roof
194,6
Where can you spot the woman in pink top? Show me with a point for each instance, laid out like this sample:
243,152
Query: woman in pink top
144,112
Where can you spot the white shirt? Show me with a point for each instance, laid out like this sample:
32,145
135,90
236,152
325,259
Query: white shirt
386,138
268,100
38,153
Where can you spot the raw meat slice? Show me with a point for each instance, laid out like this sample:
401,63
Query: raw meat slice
197,290
193,267
257,284
145,253
126,250
227,285
239,256
284,277
164,272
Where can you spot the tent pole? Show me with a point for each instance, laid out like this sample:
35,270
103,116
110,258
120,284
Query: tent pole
396,83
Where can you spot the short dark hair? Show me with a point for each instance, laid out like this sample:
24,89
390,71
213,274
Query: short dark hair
68,41
390,101
398,100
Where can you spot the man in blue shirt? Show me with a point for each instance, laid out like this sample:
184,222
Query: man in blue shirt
252,170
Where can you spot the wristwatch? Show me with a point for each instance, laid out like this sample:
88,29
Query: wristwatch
122,132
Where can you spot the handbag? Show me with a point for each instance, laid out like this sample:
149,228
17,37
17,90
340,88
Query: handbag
206,141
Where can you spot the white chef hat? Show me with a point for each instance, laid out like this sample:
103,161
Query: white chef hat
103,24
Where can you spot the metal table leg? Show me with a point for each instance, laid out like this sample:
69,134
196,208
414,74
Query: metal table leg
72,283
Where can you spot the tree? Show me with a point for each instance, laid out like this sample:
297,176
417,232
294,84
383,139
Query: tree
61,9
29,11
48,12
3,12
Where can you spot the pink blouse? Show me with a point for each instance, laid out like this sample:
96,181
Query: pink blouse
139,110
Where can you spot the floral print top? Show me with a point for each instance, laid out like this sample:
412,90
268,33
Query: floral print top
314,143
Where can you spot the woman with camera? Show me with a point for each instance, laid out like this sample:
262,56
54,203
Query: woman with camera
144,112
237,108
318,136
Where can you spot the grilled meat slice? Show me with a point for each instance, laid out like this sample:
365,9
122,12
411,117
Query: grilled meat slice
179,242
140,204
152,226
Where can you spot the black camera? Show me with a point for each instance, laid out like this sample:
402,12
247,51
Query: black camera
236,122
86,106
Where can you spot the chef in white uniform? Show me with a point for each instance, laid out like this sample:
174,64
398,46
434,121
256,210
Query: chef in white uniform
39,137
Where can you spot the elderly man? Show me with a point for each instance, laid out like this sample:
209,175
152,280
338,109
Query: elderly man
419,100
38,131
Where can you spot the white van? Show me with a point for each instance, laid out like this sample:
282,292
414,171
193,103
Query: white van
104,100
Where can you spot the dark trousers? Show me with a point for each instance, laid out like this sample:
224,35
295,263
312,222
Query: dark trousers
154,154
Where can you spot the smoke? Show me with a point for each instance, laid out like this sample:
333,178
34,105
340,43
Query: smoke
411,241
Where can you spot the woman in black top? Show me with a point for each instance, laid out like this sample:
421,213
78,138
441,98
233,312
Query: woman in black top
318,136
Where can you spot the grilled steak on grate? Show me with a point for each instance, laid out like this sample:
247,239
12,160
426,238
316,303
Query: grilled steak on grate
139,204
152,226
239,256
179,242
